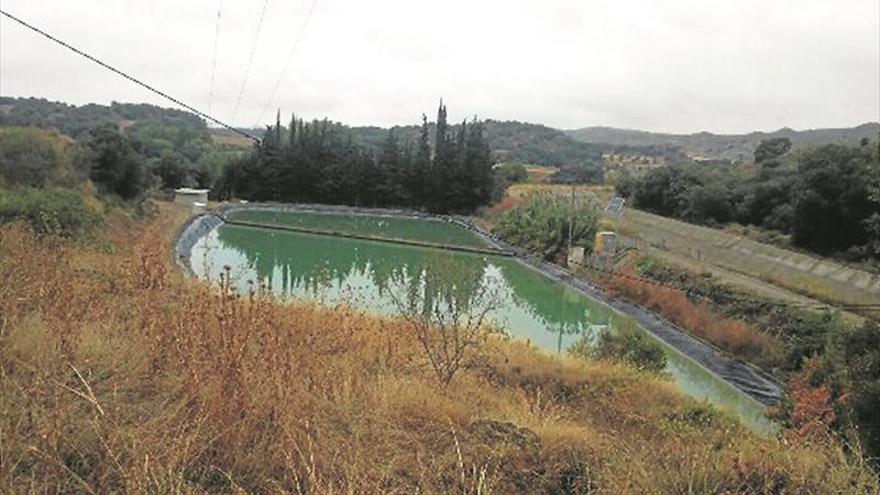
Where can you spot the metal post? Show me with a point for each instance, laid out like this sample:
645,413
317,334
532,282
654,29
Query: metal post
570,224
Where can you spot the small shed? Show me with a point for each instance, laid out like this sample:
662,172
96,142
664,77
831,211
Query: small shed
187,196
606,242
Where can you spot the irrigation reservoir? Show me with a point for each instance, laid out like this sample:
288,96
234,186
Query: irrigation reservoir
333,258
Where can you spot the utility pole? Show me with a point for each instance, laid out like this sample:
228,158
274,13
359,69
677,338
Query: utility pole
570,222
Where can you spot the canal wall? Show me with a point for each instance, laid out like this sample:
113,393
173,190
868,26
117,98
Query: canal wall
819,278
194,229
752,381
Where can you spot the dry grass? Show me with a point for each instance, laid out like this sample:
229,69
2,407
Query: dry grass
490,216
519,191
764,262
539,173
118,375
228,138
700,319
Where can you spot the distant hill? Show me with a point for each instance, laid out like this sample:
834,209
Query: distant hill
534,143
75,121
733,147
511,141
517,142
158,132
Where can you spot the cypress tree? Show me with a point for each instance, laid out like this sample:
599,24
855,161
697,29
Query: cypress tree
423,166
440,174
291,133
320,161
479,165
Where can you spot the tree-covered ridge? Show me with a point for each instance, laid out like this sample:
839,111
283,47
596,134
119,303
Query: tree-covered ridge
826,198
521,142
76,121
320,162
513,142
732,147
171,145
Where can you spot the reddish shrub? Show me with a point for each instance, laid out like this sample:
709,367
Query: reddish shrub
733,336
812,409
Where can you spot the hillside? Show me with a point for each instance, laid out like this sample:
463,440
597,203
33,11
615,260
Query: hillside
142,383
75,121
516,142
162,138
733,147
118,373
189,137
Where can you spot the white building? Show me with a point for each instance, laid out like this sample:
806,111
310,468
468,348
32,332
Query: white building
187,196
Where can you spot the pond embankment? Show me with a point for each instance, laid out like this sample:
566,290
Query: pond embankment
751,381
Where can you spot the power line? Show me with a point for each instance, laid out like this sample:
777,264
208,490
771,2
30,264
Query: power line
214,62
247,70
296,43
130,78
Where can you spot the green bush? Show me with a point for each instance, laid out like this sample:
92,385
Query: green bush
623,343
859,365
35,158
824,197
578,174
50,211
116,164
541,225
512,173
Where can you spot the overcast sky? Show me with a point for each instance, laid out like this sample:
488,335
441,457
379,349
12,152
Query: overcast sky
672,65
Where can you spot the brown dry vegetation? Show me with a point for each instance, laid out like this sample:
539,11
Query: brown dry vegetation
119,375
519,191
700,319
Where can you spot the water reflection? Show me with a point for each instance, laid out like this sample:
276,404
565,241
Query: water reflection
332,269
364,274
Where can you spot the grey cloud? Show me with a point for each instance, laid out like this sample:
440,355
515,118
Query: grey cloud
680,65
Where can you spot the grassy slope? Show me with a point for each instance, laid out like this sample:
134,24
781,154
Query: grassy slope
759,262
120,375
677,243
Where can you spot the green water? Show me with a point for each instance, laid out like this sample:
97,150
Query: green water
412,229
374,275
